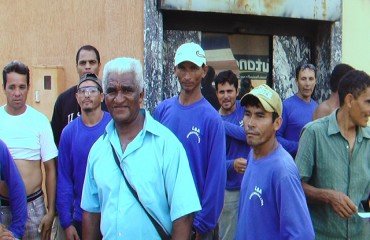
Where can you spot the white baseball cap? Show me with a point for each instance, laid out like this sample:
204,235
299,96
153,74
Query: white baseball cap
190,52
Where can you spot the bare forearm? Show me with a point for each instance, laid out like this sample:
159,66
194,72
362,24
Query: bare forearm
91,226
316,195
182,227
50,183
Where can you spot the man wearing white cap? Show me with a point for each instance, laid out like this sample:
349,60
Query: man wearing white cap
272,201
199,127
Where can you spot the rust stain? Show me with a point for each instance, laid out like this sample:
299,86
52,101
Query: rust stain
321,9
241,3
271,5
324,8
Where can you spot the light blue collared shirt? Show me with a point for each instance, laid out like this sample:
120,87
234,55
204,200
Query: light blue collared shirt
156,165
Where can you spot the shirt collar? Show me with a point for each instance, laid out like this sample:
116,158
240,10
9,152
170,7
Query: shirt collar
333,128
149,125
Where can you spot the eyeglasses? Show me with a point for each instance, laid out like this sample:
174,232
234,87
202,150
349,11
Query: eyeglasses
87,91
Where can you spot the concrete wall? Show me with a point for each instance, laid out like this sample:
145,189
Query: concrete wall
356,34
44,32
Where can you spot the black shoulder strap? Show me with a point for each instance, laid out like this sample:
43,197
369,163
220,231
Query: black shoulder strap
162,233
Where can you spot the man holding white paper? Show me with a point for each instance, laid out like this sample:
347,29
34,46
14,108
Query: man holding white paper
333,161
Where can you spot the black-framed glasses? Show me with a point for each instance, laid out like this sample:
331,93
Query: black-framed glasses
88,91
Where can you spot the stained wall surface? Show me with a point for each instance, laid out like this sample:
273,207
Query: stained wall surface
43,32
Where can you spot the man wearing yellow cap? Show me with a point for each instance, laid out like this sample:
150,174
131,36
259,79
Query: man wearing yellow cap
272,201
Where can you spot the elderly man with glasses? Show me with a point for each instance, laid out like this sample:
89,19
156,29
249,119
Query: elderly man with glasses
298,109
76,140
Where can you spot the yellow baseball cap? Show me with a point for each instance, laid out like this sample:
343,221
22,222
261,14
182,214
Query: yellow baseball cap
268,98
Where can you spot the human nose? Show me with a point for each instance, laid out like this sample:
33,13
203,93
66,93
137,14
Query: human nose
249,121
87,93
187,74
119,96
17,92
87,65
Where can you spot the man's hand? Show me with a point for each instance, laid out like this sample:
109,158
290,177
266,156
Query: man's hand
5,234
341,204
46,225
198,236
71,233
240,164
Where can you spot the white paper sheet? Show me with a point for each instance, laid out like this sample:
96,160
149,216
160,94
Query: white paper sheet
364,214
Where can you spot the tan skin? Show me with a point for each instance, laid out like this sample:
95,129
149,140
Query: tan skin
327,107
87,63
354,113
306,84
226,95
5,234
16,90
261,130
123,99
91,114
190,77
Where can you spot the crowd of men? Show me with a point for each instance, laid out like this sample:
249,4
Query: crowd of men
249,167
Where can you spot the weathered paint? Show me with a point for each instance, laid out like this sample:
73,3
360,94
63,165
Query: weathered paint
328,10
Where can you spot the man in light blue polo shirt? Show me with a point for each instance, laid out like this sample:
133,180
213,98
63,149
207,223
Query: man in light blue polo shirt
152,159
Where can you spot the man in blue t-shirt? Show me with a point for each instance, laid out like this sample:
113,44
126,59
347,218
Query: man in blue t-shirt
237,149
272,201
17,196
75,143
199,128
298,109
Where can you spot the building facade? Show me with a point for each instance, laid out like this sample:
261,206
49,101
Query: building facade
261,39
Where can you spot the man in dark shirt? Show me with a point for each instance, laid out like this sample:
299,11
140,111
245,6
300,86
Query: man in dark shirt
66,107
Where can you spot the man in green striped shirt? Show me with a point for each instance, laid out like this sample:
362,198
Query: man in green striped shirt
334,163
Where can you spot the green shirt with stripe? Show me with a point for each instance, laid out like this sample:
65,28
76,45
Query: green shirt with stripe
324,161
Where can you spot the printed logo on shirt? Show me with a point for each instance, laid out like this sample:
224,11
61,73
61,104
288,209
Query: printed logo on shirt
70,116
241,123
194,131
257,193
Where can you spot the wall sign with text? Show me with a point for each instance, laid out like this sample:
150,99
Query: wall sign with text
254,67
